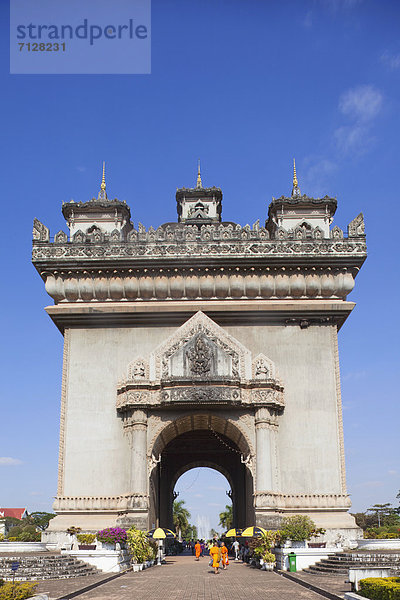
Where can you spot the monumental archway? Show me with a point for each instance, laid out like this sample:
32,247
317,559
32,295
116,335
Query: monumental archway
195,329
201,440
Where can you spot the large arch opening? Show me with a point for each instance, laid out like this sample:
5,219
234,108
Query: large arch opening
205,493
201,441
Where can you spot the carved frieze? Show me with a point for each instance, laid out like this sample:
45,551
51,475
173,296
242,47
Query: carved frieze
200,363
201,394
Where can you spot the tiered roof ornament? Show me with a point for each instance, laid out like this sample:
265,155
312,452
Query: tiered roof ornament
295,189
102,193
199,205
300,214
98,217
296,254
199,185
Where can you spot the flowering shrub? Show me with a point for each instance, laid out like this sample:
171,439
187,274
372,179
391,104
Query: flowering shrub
382,533
380,588
86,538
17,590
112,535
139,546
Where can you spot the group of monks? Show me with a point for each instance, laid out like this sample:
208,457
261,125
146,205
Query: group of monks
218,553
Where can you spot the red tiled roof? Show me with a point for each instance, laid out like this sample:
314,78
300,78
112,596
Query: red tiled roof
17,513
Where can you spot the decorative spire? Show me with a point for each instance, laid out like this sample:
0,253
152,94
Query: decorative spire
102,193
199,184
295,189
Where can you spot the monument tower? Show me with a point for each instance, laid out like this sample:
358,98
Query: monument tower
200,343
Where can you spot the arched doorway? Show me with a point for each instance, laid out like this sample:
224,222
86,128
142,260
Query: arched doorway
201,440
205,493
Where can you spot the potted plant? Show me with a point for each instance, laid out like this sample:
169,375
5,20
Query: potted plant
314,534
112,538
297,529
72,531
85,541
262,552
140,548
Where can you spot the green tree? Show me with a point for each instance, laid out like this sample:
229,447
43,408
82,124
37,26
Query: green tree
181,517
40,519
190,533
226,517
364,520
380,511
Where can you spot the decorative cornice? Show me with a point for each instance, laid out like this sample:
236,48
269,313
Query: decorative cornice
288,502
113,504
99,285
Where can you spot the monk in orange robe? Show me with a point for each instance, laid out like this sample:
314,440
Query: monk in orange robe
215,555
224,555
197,549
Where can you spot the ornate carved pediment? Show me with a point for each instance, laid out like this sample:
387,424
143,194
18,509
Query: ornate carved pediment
201,348
200,364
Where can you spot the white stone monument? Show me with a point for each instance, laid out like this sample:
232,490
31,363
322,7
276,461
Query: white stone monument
201,343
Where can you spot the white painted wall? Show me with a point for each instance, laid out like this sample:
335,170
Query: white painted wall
97,452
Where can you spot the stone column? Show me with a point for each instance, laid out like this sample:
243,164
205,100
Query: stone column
264,451
138,434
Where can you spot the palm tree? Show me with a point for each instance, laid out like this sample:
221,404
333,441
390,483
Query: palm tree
226,517
181,517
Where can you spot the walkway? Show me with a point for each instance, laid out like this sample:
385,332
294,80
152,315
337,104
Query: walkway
182,578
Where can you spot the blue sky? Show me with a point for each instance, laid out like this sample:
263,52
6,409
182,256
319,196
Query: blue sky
245,85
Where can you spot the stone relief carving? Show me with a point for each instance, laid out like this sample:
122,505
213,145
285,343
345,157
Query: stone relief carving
198,341
202,394
199,356
201,324
40,232
152,462
61,237
336,233
79,237
138,369
278,247
263,367
356,226
249,462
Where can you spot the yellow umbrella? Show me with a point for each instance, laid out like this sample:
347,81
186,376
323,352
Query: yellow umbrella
254,532
160,533
234,533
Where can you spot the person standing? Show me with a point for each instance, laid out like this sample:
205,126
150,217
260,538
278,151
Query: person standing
224,556
215,553
235,548
197,549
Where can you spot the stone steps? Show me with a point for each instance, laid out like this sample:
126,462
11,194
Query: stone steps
339,564
44,567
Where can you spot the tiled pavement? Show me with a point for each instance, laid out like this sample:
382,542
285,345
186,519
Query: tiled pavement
182,578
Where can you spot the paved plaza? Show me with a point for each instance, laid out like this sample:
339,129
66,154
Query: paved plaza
182,578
